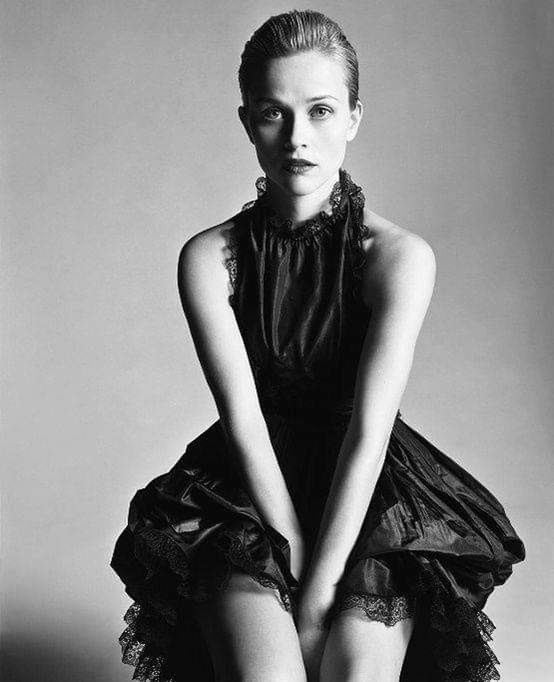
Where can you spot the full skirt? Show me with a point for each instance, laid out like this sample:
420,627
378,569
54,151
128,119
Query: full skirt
433,544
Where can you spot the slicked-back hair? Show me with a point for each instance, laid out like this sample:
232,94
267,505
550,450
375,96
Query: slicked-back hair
297,31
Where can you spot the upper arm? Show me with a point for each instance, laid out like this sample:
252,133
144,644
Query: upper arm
203,289
398,284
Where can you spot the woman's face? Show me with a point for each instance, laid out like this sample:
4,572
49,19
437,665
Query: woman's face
298,108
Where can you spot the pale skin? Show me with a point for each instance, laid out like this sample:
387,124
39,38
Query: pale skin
250,636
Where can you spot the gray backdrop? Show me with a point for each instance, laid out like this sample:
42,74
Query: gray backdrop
121,140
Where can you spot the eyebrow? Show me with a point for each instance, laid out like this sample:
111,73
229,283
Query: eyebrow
275,101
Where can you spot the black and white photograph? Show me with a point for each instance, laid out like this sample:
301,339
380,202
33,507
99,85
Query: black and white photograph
277,341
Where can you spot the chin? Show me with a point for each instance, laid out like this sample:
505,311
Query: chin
302,183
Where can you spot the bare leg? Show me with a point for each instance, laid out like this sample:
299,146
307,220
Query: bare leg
358,649
249,634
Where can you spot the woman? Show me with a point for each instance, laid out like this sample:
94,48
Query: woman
309,533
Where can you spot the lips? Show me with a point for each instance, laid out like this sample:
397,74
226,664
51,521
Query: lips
298,163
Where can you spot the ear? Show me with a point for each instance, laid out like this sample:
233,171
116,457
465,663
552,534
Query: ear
355,118
245,120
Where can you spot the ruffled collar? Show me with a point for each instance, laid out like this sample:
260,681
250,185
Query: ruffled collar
342,190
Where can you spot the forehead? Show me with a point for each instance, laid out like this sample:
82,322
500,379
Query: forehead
300,77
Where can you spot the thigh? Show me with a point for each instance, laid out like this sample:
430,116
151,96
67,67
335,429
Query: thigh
358,648
250,635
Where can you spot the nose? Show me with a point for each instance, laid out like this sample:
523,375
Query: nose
296,133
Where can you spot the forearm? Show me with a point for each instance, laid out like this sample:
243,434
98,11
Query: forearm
358,467
382,377
253,451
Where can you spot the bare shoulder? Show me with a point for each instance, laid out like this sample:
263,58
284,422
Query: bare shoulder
396,258
205,257
388,242
210,243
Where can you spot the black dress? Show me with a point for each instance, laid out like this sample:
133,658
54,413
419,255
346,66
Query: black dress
434,542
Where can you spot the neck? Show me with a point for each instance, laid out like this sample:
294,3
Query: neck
299,209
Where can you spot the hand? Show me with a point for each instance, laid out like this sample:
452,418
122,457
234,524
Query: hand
315,602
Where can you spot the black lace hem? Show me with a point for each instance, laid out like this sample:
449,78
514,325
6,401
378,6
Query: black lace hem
155,619
228,550
457,636
144,644
459,632
387,610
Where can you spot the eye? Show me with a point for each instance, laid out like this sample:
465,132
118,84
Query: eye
272,114
322,112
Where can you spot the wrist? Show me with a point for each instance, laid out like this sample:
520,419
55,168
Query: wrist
321,575
315,603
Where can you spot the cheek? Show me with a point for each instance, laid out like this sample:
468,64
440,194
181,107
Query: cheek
334,136
266,136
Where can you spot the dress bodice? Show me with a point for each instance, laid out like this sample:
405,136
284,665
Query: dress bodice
297,301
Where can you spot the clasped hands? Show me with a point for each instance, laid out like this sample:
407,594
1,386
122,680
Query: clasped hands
316,597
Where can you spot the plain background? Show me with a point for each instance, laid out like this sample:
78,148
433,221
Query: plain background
121,140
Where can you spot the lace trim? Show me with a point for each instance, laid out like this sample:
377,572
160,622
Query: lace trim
144,644
157,551
360,232
283,227
148,641
236,552
387,610
458,632
345,187
230,262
